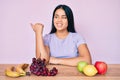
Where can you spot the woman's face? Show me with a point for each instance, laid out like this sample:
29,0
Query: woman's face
60,20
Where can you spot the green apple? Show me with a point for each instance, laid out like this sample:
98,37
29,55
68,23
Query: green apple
81,65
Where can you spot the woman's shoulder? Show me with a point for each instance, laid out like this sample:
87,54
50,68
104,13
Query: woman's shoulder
78,38
49,35
75,34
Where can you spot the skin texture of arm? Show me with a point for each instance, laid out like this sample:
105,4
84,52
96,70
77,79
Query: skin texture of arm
41,50
84,56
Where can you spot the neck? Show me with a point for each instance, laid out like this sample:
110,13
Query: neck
62,34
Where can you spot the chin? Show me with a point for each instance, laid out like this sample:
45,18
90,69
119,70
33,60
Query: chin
59,29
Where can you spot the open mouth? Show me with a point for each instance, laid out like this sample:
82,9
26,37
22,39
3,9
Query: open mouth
59,25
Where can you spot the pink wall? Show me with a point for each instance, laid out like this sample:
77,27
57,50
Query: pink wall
97,20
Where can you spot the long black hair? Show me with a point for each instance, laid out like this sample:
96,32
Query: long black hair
69,15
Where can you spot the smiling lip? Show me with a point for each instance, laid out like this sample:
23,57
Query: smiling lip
59,24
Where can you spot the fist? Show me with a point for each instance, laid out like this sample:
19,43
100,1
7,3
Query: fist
38,27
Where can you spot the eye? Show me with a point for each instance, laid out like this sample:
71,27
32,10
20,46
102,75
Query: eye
55,16
64,17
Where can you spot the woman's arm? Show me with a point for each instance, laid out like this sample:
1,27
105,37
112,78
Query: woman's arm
84,55
41,49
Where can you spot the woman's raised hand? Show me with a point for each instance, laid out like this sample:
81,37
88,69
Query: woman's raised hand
38,27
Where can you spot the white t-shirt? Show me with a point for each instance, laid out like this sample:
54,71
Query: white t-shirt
64,48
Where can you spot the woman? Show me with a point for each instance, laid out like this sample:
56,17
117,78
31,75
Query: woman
63,45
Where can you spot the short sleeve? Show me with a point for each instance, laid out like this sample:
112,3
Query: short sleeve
79,40
46,39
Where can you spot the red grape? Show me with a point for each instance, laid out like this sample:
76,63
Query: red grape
38,67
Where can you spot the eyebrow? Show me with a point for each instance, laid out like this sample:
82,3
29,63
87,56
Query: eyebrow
58,15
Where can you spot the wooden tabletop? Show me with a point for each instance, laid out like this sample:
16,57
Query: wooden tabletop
66,73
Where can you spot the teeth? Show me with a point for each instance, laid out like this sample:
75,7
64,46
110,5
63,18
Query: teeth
59,24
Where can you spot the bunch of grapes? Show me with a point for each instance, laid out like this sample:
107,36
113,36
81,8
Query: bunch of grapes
38,67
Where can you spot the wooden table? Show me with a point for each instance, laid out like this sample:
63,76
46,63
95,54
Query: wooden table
66,73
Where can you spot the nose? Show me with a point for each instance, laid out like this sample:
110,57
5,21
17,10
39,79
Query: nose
59,19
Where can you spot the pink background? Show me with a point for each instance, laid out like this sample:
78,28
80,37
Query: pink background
97,20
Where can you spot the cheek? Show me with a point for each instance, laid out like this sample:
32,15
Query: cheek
54,21
66,23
